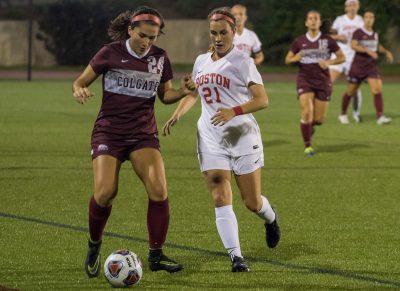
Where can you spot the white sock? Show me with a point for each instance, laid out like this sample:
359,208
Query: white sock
228,229
266,211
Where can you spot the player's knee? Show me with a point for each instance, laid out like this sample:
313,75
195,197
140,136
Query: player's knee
157,191
105,195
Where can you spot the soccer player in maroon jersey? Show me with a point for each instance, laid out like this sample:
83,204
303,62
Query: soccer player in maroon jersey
364,67
312,53
134,71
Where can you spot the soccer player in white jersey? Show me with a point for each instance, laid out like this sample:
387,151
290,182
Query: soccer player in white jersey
245,39
229,140
344,27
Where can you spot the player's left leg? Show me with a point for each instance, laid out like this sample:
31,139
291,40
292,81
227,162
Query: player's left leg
250,190
357,102
376,88
149,166
306,101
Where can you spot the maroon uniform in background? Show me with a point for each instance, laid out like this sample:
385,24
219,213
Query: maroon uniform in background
364,66
311,77
126,120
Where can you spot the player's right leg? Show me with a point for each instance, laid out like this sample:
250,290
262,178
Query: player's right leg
250,190
106,171
149,166
219,184
350,91
306,122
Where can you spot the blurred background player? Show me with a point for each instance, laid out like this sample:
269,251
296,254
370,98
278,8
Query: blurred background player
342,31
245,39
229,139
312,52
366,44
134,71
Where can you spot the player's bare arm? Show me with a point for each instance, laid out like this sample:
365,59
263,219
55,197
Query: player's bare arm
292,58
387,53
340,58
169,95
80,86
258,102
356,46
184,106
258,58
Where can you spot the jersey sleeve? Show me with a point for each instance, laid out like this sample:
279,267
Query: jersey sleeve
357,35
256,48
294,47
195,68
332,45
100,61
249,72
167,70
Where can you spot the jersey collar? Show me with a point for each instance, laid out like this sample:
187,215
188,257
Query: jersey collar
132,53
313,39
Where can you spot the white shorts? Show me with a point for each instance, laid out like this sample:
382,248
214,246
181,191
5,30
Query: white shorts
239,165
343,68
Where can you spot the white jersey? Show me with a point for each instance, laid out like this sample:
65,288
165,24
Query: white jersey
224,84
247,42
346,26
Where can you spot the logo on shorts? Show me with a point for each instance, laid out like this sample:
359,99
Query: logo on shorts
102,147
255,147
300,90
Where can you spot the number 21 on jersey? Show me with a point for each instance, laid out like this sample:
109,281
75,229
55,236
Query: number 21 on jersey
210,94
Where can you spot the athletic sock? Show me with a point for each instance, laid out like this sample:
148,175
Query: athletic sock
157,223
98,217
306,132
266,211
378,104
357,102
228,230
345,103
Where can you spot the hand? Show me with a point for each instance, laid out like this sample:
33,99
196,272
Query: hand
389,57
341,38
82,94
187,85
324,65
372,54
222,116
170,123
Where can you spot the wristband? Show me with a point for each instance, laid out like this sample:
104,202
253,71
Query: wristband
238,110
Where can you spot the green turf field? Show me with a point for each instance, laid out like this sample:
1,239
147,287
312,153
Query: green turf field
339,210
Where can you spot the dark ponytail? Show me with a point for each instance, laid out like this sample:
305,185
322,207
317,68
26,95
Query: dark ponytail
118,29
326,26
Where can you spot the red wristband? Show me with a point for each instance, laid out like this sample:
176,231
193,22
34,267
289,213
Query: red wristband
238,110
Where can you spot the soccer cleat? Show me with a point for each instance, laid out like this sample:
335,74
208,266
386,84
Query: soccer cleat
93,259
383,120
357,117
239,265
343,119
158,262
309,151
272,232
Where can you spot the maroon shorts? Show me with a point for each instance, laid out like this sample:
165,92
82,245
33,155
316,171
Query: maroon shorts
320,94
120,149
358,75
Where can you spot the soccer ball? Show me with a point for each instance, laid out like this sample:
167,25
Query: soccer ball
123,268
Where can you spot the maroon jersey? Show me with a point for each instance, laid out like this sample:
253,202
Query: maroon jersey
130,85
311,75
364,66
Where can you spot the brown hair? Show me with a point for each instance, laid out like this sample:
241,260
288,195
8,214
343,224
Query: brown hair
226,11
118,29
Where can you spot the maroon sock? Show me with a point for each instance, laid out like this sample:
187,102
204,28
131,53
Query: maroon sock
157,222
98,217
378,104
306,131
345,103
